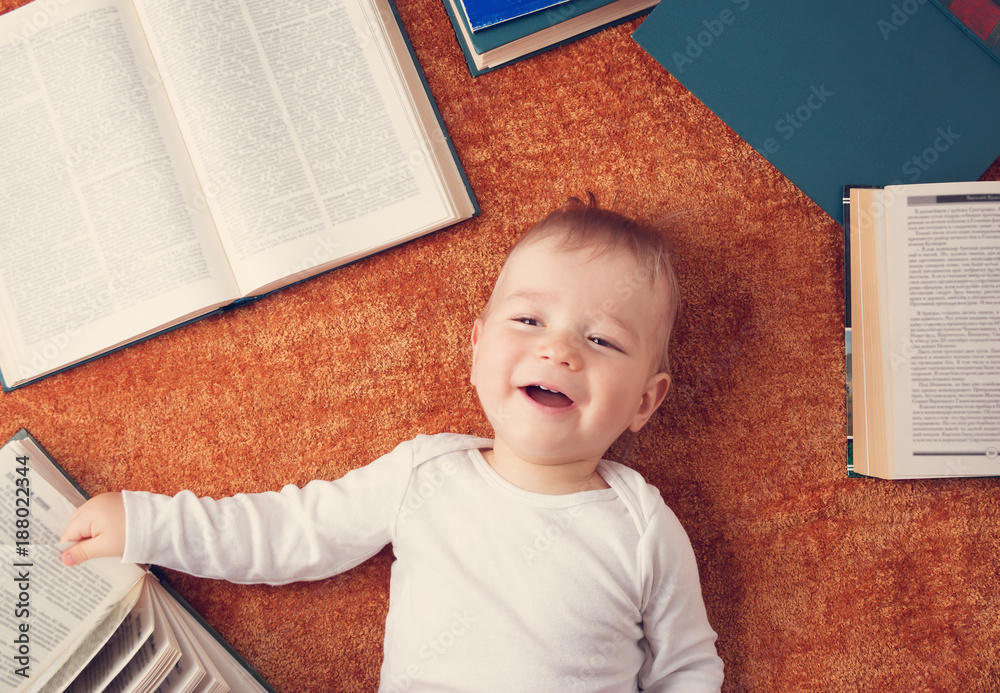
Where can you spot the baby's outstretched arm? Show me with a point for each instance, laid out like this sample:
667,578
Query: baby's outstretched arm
307,533
98,527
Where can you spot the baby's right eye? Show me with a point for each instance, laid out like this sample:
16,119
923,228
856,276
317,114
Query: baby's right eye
527,320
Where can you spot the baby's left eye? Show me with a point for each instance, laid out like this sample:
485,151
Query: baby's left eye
603,343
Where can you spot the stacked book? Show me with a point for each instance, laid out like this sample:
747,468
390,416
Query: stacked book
493,34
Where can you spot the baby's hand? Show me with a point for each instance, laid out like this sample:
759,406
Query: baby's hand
98,527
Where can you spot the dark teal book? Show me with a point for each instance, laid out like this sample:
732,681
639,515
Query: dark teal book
860,91
526,36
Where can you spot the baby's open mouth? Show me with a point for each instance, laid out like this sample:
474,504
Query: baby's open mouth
546,397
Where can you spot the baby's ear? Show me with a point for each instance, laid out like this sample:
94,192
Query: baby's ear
477,331
656,389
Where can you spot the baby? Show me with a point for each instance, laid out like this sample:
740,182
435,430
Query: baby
523,563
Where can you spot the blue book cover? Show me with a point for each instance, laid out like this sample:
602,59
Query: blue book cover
498,45
500,35
870,92
486,13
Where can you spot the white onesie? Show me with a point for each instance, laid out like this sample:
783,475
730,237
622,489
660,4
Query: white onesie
493,588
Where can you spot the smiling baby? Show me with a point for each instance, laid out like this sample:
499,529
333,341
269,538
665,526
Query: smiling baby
523,563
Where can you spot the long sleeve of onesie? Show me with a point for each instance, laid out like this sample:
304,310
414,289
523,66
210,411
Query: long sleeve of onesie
304,533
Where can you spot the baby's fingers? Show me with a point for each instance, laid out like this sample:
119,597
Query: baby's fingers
77,528
87,549
98,527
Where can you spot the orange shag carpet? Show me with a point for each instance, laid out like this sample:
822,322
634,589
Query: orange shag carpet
814,581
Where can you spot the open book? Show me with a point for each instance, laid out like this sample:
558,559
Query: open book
103,625
923,329
162,160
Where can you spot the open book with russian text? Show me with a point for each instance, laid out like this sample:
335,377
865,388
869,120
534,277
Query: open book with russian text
163,160
924,329
102,625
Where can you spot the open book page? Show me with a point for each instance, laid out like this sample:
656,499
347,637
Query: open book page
194,671
54,609
225,672
107,235
422,113
65,668
944,241
128,639
298,123
153,661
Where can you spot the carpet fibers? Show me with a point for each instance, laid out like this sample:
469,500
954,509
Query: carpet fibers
814,582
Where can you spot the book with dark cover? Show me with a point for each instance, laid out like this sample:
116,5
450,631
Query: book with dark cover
493,47
125,626
835,93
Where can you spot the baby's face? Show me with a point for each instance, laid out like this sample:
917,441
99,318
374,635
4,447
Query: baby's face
563,361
